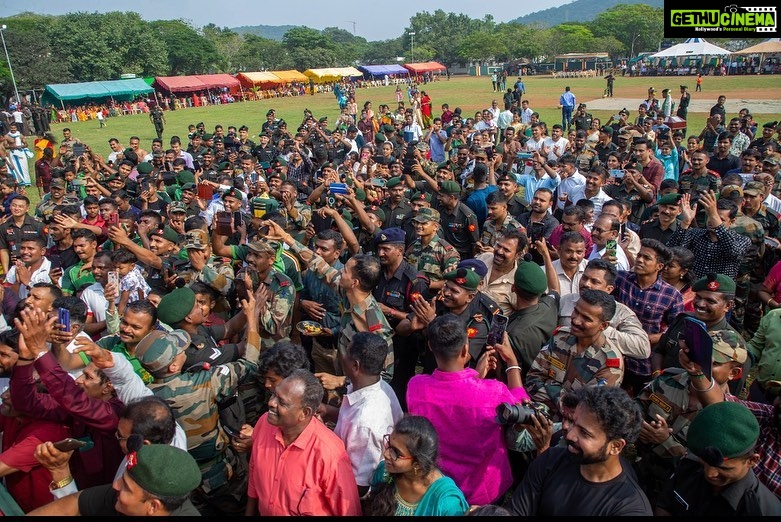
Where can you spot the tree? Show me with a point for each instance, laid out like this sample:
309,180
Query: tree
639,27
442,32
481,46
228,44
258,53
189,52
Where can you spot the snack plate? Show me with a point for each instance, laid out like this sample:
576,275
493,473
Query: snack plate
309,327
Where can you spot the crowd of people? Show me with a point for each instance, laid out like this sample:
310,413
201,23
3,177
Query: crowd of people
391,314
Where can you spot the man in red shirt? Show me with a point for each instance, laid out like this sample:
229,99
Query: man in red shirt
653,170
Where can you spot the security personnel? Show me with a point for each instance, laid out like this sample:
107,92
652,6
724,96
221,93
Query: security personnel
16,228
720,481
418,200
57,196
194,398
215,272
459,222
396,207
670,406
164,243
276,314
429,254
399,284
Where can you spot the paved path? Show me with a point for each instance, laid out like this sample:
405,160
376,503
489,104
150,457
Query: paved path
702,105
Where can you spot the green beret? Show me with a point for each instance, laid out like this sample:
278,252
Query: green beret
225,165
770,125
175,306
144,167
450,187
669,199
388,128
464,278
347,216
393,182
234,193
190,187
530,278
444,165
207,136
421,196
715,283
377,211
163,470
379,138
721,431
158,349
360,194
185,177
167,233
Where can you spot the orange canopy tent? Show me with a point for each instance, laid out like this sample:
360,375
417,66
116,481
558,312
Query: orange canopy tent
290,76
260,79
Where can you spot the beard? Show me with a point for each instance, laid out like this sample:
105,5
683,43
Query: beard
582,458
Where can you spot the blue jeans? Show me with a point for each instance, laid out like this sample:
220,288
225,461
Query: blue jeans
566,116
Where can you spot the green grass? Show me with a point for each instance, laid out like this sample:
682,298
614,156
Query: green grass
469,93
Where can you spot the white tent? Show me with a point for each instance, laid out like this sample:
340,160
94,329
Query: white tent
692,47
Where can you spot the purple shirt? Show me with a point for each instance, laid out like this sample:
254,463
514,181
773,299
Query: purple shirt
656,307
472,449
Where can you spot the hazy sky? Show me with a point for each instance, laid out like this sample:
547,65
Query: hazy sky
374,20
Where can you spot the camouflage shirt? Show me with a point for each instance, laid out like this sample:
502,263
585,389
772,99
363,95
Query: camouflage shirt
752,229
217,274
435,259
560,367
491,232
276,318
297,218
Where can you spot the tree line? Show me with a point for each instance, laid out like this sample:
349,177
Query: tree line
78,47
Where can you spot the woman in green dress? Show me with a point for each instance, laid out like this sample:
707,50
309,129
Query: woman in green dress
407,482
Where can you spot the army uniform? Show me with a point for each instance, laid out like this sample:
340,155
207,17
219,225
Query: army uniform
363,317
276,319
559,367
298,218
460,229
517,206
11,236
668,343
157,120
585,159
194,398
637,203
435,259
45,209
477,317
395,217
286,263
752,229
491,232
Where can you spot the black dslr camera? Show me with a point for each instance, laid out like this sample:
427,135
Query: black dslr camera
508,413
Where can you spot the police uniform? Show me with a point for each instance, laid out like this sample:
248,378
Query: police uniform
560,367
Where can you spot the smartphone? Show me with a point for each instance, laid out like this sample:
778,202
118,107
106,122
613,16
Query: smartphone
496,332
537,231
699,342
79,149
69,444
145,186
113,220
236,219
610,247
241,289
64,318
55,260
113,278
223,223
230,431
617,173
337,188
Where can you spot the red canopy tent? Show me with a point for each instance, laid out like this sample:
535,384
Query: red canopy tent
218,81
424,67
179,83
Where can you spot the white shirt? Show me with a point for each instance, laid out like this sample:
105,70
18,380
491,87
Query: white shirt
526,115
622,263
365,417
569,185
561,143
96,303
567,285
598,200
532,145
773,202
39,276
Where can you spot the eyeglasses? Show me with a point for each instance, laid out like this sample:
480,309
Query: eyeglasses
394,453
599,230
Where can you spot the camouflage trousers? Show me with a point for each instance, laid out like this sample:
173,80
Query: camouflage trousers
223,490
747,311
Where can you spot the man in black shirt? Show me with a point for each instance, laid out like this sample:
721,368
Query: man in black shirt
459,222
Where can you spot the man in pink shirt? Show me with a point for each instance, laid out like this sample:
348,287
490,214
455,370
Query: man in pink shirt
462,407
298,466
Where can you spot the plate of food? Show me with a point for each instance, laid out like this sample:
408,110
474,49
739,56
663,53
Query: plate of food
309,327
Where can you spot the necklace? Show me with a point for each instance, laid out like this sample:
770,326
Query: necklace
404,508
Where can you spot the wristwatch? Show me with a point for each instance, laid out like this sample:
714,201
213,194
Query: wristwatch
60,483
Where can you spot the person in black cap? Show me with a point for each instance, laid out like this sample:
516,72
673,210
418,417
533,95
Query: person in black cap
399,285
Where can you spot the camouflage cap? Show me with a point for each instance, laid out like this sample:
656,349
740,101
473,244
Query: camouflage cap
722,431
731,192
463,277
197,239
177,206
754,188
726,347
264,246
175,306
772,160
164,470
426,215
58,183
158,349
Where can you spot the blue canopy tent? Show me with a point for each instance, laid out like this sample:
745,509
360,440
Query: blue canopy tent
381,70
115,89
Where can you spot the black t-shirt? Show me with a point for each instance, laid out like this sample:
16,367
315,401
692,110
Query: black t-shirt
68,257
100,501
553,486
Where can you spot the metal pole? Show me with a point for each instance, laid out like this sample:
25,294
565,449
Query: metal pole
412,46
10,69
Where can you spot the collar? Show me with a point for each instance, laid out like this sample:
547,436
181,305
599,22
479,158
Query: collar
355,397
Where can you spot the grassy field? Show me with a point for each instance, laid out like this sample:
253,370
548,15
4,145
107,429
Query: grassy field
469,93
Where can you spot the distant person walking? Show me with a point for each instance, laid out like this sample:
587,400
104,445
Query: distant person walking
609,89
699,83
566,104
158,119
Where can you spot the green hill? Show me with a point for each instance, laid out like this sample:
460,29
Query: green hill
578,11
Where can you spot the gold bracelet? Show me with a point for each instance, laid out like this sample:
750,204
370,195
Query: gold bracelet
60,483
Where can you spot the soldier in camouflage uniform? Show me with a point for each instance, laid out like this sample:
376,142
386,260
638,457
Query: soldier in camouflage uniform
579,355
752,229
669,406
360,311
499,220
57,196
204,267
277,312
297,214
430,254
194,398
417,201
